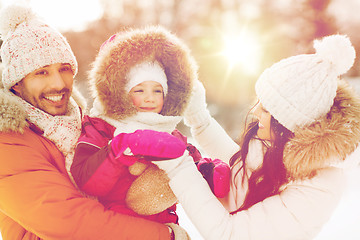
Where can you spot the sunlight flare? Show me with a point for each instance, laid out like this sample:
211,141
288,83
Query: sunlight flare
244,51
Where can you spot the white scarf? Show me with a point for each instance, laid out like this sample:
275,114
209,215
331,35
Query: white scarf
63,131
144,120
141,120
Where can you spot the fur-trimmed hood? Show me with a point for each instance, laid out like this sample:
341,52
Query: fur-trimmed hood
126,49
329,140
12,114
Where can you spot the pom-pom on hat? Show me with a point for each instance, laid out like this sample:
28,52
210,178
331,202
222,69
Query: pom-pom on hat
300,89
29,44
146,71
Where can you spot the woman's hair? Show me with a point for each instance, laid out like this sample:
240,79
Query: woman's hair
267,179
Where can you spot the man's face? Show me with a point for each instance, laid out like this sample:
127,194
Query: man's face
48,88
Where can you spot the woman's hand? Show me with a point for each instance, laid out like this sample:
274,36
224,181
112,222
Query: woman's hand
196,113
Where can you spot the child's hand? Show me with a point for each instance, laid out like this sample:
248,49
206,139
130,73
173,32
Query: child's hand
217,174
149,143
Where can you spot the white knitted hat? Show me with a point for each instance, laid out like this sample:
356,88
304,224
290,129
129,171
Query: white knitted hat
29,44
300,89
146,71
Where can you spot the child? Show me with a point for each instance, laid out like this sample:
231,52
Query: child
141,80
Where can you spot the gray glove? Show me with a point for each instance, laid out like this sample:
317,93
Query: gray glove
178,232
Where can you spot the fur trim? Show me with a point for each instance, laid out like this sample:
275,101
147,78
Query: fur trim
108,74
12,115
327,141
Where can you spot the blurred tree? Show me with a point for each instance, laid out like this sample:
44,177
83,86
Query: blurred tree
323,22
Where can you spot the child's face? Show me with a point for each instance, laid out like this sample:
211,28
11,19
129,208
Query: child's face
148,96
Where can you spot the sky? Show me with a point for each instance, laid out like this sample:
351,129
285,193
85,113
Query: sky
65,15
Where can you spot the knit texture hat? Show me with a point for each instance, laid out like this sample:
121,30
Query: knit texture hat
146,71
300,89
29,44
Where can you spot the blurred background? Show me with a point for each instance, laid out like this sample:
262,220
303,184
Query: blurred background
233,41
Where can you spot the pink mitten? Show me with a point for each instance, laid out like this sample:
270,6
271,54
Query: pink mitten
152,144
217,174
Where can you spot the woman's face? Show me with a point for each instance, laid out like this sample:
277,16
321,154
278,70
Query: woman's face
264,117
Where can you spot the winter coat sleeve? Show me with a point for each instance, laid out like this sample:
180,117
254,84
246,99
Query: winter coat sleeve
95,169
298,212
36,193
213,139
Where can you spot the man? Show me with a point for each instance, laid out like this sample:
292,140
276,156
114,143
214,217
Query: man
39,125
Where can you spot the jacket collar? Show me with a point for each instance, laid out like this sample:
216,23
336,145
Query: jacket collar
13,114
329,140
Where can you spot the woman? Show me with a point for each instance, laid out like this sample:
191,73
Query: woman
286,178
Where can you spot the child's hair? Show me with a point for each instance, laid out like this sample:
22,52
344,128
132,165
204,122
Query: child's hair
266,180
